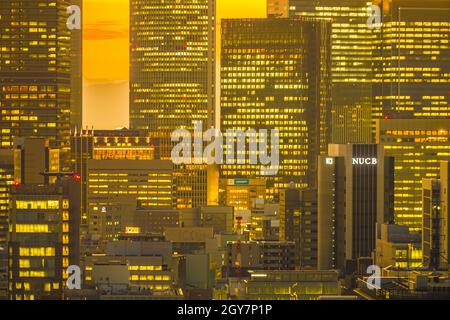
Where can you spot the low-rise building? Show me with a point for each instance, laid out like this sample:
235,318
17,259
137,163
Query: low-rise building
291,285
242,256
397,247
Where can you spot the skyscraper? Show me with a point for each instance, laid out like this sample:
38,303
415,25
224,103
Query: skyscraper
355,183
43,238
275,75
6,181
417,146
39,74
411,67
26,163
351,64
172,79
172,64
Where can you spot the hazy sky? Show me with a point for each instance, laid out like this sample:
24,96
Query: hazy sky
105,56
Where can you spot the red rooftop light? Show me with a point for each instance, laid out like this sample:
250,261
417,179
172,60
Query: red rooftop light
16,184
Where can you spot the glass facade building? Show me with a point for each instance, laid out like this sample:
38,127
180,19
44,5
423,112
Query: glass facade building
351,64
40,71
418,146
172,78
43,239
275,74
172,64
411,69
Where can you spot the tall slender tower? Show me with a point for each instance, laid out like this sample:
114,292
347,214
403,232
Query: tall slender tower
6,181
354,194
172,79
37,81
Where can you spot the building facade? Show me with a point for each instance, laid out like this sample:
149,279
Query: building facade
6,181
40,74
351,64
417,146
397,247
355,188
435,229
147,182
133,263
411,70
275,75
243,256
43,238
172,61
120,144
298,223
264,221
292,285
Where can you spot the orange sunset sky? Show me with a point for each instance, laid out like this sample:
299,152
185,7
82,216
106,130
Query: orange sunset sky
105,56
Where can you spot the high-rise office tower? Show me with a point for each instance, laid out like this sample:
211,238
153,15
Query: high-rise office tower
172,79
6,181
150,181
417,146
351,66
172,64
26,163
411,67
43,238
435,230
275,75
355,192
76,57
191,183
40,72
